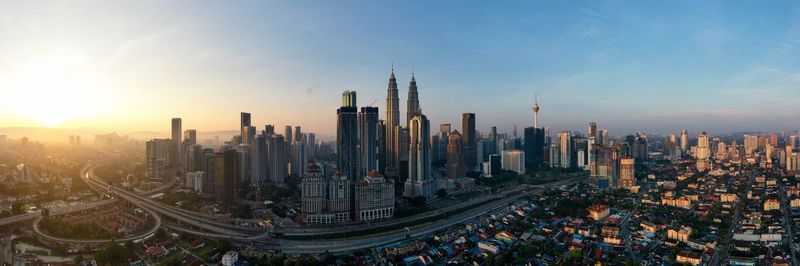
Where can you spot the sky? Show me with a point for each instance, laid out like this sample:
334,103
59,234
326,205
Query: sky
653,66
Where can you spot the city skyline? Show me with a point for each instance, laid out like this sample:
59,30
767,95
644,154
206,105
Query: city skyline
399,133
579,59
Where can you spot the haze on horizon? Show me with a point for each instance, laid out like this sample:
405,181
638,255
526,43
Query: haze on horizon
658,67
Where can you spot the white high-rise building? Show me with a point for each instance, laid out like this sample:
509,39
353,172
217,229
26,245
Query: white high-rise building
703,150
374,197
419,182
513,160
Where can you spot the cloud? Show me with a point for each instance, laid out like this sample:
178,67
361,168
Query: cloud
590,24
129,45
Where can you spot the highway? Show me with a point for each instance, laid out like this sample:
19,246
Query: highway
147,233
55,211
157,207
185,220
413,232
321,231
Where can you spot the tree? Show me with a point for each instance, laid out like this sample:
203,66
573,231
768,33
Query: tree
441,193
418,201
242,211
113,254
16,207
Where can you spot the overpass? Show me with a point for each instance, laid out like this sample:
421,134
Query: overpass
185,221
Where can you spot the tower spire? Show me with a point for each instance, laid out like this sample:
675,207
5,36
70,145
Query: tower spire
535,111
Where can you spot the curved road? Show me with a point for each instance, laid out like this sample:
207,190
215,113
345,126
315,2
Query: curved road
149,232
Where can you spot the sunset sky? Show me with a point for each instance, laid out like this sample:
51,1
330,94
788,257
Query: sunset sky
656,66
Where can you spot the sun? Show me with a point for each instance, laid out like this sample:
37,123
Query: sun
53,90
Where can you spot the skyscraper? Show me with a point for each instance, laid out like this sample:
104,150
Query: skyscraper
381,145
592,130
470,140
244,122
703,149
287,135
627,179
419,182
157,154
368,137
565,149
225,177
299,155
513,160
176,153
347,141
191,136
298,134
349,98
536,112
392,121
413,100
684,141
443,138
277,159
260,160
534,145
604,139
455,156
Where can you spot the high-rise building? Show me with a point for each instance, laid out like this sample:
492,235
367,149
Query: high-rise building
670,146
601,168
627,179
455,156
175,152
191,136
392,121
298,134
244,122
325,200
157,154
413,100
248,135
703,150
368,138
640,147
259,161
401,140
750,144
534,145
536,112
311,145
269,130
513,160
684,141
287,135
349,99
374,197
381,145
602,137
347,142
225,177
793,164
470,141
277,160
442,137
419,182
565,149
592,130
299,155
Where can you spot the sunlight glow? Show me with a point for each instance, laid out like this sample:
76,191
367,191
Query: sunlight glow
56,89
